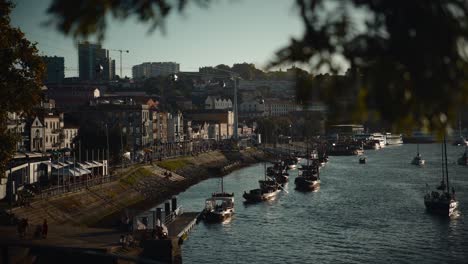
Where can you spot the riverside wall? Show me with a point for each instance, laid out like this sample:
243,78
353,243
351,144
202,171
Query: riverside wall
139,187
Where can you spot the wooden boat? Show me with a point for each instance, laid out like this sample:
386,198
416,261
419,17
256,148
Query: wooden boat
442,201
269,189
281,177
308,178
220,206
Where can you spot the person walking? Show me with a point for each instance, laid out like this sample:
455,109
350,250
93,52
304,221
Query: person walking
45,229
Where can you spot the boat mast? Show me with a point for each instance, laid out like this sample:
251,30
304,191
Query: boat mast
446,164
418,149
442,162
222,184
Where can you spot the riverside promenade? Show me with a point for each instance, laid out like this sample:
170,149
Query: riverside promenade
67,244
61,241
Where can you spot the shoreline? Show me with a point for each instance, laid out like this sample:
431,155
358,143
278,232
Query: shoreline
193,174
138,188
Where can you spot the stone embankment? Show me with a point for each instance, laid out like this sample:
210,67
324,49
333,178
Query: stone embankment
139,187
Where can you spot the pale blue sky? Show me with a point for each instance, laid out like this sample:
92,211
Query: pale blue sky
229,31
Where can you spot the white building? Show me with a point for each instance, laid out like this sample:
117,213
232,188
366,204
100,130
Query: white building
175,127
70,132
253,108
274,107
267,107
216,102
46,132
154,69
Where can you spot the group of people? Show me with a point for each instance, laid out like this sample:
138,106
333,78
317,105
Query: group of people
40,231
167,174
159,233
127,241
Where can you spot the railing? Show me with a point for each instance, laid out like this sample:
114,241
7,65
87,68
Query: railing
169,218
74,187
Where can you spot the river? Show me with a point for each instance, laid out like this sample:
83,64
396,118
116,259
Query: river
363,213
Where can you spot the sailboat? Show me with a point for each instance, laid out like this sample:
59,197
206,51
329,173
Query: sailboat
442,201
463,160
418,160
220,206
268,190
460,141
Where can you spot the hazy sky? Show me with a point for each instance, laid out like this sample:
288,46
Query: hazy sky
229,31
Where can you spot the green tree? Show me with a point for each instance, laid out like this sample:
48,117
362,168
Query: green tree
21,72
408,58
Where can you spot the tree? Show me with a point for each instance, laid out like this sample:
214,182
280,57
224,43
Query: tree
21,73
408,58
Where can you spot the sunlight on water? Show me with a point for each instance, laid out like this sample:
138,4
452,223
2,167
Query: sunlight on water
363,213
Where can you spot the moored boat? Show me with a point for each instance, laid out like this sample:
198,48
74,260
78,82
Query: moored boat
308,178
442,201
362,160
394,139
418,160
220,206
281,177
268,190
461,141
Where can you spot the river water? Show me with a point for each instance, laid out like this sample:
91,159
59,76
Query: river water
363,213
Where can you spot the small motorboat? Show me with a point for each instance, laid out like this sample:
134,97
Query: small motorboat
220,206
362,160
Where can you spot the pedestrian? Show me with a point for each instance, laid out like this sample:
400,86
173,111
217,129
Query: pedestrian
122,241
45,229
19,227
25,227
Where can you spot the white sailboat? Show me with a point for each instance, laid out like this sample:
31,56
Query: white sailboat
418,160
442,201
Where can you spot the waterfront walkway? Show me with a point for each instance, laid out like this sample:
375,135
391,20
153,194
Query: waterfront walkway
64,237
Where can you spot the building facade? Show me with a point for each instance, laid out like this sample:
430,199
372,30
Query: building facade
46,132
175,127
221,122
159,121
94,62
216,102
55,69
133,119
154,69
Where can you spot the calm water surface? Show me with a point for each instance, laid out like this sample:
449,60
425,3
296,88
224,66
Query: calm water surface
371,213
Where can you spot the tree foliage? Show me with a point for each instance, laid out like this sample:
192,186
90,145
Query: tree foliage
21,71
408,58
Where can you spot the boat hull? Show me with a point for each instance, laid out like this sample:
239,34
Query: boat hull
418,162
303,184
211,216
444,208
259,197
